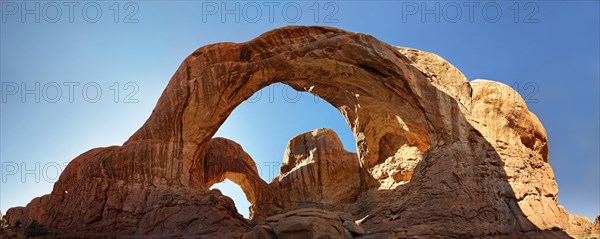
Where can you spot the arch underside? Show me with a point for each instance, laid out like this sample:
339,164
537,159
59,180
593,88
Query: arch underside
425,137
400,110
403,106
375,99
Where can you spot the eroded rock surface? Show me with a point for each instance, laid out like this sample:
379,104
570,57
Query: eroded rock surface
227,159
307,224
98,209
318,172
437,155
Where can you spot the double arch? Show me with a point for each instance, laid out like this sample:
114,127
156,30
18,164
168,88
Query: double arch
368,81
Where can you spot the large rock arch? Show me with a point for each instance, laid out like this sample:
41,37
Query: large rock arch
425,136
346,71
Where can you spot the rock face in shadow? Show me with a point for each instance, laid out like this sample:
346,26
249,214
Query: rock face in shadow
227,159
88,201
307,223
437,155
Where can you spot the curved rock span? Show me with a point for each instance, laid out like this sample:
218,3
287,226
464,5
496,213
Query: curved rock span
437,155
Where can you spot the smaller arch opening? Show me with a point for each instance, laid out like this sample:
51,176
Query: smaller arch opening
234,191
264,124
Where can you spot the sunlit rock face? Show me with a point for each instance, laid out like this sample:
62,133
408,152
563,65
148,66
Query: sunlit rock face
318,173
437,155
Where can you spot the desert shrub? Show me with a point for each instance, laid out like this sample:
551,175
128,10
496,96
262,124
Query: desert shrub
35,230
3,223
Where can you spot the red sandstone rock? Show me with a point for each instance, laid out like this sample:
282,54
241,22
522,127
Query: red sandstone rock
318,172
308,224
437,155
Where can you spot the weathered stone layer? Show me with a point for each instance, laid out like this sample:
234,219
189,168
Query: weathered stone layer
437,155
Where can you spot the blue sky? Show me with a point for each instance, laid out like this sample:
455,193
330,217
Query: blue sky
548,50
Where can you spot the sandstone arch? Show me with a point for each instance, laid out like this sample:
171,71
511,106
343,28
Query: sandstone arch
371,96
403,106
226,159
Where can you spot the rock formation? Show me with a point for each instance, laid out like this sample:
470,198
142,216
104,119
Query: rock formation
437,155
306,223
317,172
226,159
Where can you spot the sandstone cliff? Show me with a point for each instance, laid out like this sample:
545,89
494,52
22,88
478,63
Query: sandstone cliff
437,155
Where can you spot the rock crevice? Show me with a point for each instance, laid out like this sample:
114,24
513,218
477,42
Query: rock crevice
437,155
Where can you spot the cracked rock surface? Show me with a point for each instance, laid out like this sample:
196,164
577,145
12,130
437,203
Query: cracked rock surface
437,156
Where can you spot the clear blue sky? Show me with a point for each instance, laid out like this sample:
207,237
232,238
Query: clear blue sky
550,50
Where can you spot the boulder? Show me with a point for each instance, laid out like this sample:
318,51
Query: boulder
260,232
308,224
353,228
